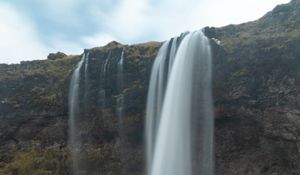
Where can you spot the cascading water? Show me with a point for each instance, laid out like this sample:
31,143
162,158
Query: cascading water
103,74
179,121
158,81
104,79
121,146
78,104
120,102
73,115
86,65
86,80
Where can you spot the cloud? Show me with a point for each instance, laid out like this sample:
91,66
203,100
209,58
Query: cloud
219,12
19,40
68,47
142,20
129,19
99,39
31,29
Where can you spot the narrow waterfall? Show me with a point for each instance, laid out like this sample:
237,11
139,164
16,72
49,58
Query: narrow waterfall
86,65
120,79
179,121
121,146
103,74
74,110
86,80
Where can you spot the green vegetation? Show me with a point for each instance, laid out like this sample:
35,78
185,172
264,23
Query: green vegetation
37,161
45,81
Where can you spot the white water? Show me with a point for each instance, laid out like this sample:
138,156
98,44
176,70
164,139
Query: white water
179,121
158,81
103,74
73,115
121,146
86,64
121,61
154,101
105,64
86,80
120,102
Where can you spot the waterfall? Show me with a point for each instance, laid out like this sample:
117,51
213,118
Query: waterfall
73,115
121,146
103,74
179,120
120,101
105,64
86,65
158,81
86,81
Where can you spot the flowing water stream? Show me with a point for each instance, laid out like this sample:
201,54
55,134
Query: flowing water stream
179,120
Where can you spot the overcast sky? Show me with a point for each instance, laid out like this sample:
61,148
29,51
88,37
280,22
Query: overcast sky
30,29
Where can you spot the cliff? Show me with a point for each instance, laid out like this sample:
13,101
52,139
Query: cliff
256,94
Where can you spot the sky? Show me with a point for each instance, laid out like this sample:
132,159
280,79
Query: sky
31,29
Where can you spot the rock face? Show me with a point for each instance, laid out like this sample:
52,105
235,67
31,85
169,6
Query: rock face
256,94
34,113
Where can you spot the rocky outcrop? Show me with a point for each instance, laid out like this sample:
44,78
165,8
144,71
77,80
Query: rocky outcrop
256,93
54,56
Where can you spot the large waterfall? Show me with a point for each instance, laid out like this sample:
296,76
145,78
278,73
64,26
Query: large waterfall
179,121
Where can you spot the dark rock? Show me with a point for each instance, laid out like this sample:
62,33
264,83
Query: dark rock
55,56
113,44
